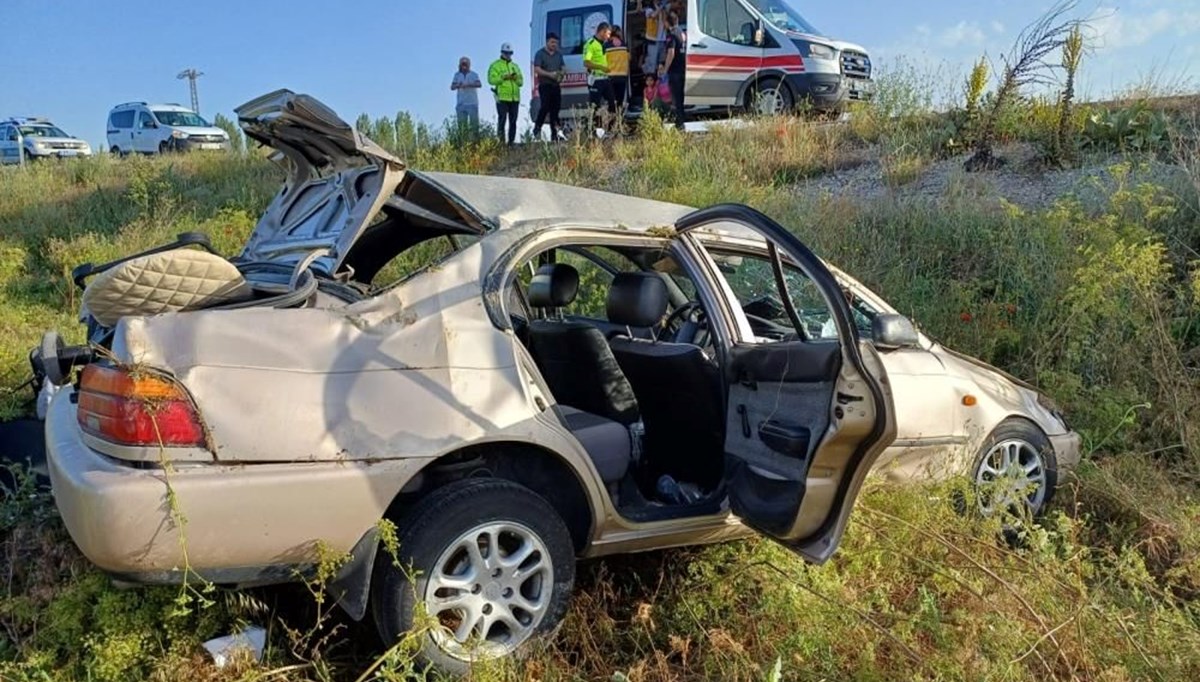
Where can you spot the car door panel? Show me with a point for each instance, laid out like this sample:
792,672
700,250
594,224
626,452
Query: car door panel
806,418
722,55
8,147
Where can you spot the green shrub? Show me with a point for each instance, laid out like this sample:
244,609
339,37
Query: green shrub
1094,298
1136,128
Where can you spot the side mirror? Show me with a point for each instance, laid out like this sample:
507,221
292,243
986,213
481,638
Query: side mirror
893,331
760,36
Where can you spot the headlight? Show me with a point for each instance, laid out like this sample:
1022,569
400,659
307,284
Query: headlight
38,144
178,134
820,51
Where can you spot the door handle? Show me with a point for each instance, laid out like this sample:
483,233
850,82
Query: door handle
846,398
700,46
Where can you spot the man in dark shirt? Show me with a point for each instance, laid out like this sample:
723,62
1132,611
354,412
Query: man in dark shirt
549,69
675,68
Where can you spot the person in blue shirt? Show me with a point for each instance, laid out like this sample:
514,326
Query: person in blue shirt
466,83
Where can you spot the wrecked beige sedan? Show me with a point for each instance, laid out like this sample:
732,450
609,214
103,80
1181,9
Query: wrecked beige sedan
515,373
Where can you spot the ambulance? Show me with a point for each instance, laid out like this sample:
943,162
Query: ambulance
760,56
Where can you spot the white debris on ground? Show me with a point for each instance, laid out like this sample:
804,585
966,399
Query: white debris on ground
224,649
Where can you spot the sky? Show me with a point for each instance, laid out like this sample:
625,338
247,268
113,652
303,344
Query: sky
72,60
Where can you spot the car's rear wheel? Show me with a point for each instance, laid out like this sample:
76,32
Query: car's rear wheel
116,151
490,562
1016,470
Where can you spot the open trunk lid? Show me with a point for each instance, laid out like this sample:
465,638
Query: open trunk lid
337,181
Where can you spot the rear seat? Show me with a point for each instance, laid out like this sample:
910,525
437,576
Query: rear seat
607,443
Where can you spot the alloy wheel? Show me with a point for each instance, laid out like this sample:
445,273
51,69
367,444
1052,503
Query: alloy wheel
489,590
770,101
1011,474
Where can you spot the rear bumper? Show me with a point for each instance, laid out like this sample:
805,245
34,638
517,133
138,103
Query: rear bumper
829,91
247,524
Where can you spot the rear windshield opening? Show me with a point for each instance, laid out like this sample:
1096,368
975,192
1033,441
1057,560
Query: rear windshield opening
418,228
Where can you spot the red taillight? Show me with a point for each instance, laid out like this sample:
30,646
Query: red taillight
137,409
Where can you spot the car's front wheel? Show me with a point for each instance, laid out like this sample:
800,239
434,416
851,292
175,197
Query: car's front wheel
1016,469
488,560
771,97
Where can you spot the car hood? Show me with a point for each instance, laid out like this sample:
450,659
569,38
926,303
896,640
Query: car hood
32,139
826,40
337,181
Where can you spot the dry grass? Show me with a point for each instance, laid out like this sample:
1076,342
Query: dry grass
1096,302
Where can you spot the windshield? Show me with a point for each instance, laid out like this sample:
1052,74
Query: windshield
781,14
180,118
42,131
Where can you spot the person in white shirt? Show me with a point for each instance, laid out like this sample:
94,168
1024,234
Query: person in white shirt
466,83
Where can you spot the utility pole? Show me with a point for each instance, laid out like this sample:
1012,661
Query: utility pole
191,75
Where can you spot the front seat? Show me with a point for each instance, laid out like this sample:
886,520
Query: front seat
574,357
678,388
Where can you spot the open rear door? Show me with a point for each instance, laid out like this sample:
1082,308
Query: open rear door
807,416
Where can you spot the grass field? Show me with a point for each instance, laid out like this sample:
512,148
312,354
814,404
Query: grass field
1096,299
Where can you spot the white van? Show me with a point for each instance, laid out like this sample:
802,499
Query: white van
758,55
159,128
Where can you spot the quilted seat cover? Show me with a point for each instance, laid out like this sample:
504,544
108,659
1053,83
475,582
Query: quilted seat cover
171,281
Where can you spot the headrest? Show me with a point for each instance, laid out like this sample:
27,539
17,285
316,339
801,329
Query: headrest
637,299
554,285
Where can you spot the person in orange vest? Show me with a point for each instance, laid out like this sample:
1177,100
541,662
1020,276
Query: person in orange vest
617,53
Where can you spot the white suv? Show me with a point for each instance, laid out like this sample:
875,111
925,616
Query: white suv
37,138
160,128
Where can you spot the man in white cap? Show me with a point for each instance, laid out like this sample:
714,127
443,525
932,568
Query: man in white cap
506,80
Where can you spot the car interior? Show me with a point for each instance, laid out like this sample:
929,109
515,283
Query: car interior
625,349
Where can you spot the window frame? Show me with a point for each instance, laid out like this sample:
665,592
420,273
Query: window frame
144,116
555,18
729,32
762,254
115,122
503,274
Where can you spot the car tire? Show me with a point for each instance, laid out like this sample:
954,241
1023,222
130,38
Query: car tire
116,151
433,540
164,147
773,90
1016,457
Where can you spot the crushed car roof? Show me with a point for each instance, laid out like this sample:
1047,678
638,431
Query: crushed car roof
517,202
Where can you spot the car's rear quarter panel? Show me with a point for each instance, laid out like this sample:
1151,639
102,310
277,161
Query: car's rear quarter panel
318,418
